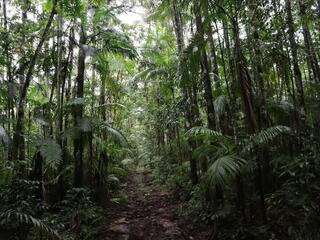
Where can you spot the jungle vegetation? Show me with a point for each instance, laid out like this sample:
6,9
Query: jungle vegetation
218,98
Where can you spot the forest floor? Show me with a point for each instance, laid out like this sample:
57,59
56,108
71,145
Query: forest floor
149,214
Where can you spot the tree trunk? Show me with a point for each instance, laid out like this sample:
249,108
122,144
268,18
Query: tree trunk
311,53
186,88
78,113
295,62
18,138
247,96
205,70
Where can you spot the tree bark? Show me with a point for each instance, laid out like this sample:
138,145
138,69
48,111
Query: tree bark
78,113
295,62
18,138
186,88
205,69
310,51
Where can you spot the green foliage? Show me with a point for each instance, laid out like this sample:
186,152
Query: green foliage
196,131
51,152
122,139
220,104
117,42
267,135
4,138
23,218
224,170
104,14
113,105
75,102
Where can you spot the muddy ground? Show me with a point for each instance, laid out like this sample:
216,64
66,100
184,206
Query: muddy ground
149,214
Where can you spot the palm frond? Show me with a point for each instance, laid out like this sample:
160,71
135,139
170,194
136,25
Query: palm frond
202,131
119,43
270,133
220,105
284,105
28,219
148,74
85,124
51,152
105,13
4,138
117,170
122,139
281,111
267,135
75,102
114,105
140,75
204,150
195,43
224,170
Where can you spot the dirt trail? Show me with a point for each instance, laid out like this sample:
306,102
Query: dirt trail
149,214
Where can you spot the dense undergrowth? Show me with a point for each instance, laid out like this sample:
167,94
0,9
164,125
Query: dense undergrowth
78,214
293,209
219,98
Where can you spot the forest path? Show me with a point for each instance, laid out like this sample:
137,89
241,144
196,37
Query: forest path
149,214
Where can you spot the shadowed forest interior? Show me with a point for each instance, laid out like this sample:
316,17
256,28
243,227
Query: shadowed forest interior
163,119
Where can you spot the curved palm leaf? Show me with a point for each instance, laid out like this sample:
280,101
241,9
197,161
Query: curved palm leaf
140,75
122,139
202,131
114,105
75,102
51,152
224,170
204,150
117,42
267,135
220,105
4,138
26,218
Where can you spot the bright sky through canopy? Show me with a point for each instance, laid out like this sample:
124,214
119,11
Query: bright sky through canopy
134,16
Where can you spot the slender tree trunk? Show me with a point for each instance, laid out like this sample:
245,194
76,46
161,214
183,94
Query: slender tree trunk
186,88
18,138
205,70
78,112
59,76
295,62
10,86
65,94
247,96
311,53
